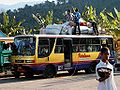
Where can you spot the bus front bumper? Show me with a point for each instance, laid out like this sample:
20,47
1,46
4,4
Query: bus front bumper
18,68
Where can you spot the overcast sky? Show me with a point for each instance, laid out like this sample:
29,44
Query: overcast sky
10,2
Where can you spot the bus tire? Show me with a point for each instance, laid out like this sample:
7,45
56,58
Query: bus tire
49,71
28,74
16,74
1,69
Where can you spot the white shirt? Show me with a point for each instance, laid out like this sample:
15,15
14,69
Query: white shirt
109,83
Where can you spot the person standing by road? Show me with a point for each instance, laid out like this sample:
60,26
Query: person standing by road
104,72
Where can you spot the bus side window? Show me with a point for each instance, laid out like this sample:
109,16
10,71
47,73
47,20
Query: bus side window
89,49
88,44
103,42
96,46
75,48
43,47
44,50
59,46
58,49
82,48
75,45
110,43
83,44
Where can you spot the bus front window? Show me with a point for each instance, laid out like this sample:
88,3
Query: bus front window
24,46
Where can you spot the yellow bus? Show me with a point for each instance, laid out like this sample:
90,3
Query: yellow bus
47,54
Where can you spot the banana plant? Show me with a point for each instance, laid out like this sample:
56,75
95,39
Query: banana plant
11,27
16,28
4,27
117,14
89,14
38,19
49,18
110,23
42,21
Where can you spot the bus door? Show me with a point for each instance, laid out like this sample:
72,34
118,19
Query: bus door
67,42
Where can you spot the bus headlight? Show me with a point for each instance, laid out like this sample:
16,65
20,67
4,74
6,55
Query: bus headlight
29,61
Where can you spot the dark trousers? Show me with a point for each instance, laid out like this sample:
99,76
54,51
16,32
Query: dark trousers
75,28
95,29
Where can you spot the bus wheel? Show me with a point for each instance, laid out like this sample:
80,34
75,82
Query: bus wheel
72,72
16,74
49,72
28,74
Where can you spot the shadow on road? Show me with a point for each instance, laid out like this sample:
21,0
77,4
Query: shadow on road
80,75
11,79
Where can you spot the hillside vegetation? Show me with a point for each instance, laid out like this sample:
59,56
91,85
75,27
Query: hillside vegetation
24,16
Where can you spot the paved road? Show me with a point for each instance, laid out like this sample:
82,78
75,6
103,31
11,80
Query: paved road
80,81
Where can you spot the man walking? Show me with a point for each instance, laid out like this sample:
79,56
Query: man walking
104,72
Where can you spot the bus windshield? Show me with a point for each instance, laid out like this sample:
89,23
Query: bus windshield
24,46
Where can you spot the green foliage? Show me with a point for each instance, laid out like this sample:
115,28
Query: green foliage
109,22
117,14
11,27
59,8
89,13
5,19
106,20
32,18
49,18
42,21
